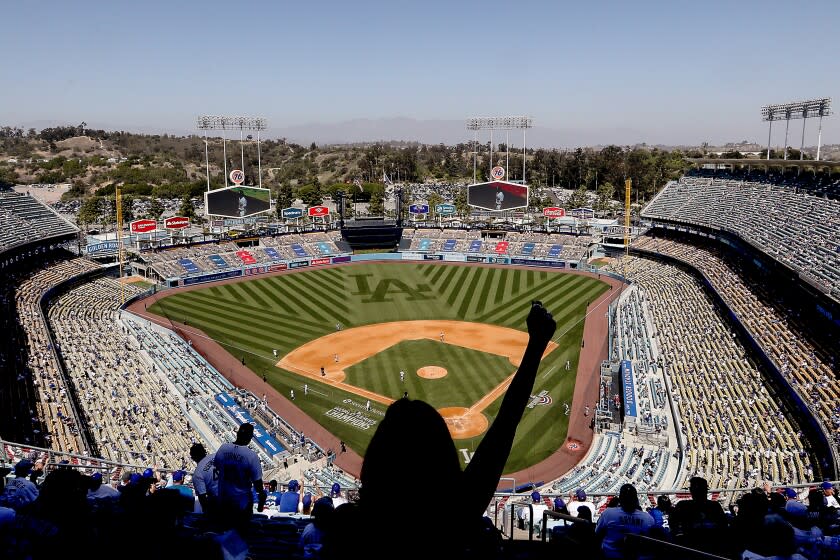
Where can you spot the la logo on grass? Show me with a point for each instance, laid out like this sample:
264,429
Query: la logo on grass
387,287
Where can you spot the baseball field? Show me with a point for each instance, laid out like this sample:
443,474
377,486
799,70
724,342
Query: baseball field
343,335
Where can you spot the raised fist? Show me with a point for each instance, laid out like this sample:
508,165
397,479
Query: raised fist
541,325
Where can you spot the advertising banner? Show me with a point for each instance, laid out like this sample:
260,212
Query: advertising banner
318,211
342,259
176,222
455,257
554,212
445,209
433,257
292,213
241,415
418,209
211,277
143,226
298,264
323,260
105,246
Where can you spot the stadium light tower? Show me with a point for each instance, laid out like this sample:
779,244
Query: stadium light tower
498,123
223,123
796,110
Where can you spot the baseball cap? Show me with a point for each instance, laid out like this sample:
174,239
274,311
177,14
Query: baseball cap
178,476
336,489
148,473
790,493
559,503
826,485
24,465
580,494
535,496
97,476
307,499
134,479
293,485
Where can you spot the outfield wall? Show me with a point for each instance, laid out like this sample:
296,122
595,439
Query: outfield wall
255,270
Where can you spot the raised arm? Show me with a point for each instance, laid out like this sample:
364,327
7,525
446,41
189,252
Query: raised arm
485,468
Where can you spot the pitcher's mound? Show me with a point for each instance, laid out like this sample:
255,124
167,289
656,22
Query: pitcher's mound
432,372
462,423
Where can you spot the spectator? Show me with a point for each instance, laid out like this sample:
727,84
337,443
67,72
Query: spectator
20,492
777,542
177,483
828,492
239,470
793,507
412,443
99,490
335,494
290,500
661,513
577,501
306,504
312,538
627,519
533,514
699,522
205,477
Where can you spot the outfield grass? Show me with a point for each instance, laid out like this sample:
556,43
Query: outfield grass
250,319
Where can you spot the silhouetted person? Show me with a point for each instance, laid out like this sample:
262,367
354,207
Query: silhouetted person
616,523
239,468
412,448
699,522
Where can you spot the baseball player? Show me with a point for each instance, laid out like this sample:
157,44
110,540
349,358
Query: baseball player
402,376
441,336
292,394
500,197
275,352
335,358
305,389
367,406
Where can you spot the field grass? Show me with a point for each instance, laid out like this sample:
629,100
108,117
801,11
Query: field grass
250,319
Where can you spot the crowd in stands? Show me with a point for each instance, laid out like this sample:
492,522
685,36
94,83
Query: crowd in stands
782,333
216,257
129,408
818,184
516,244
734,430
796,228
35,392
24,219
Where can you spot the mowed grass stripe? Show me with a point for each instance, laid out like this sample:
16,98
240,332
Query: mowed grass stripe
446,279
251,290
504,306
501,287
455,288
327,286
259,328
554,302
315,291
437,273
238,308
471,292
491,279
300,303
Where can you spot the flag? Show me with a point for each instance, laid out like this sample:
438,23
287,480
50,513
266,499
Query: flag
385,179
359,184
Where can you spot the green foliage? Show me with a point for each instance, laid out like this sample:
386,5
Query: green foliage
155,210
310,195
127,209
89,211
285,197
377,204
187,208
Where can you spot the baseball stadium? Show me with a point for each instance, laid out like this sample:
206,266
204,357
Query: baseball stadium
685,358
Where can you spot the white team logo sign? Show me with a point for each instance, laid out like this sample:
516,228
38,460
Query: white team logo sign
542,399
498,173
237,176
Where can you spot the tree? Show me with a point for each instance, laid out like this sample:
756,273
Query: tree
285,196
377,203
461,206
578,199
187,208
606,192
155,210
128,209
310,195
434,200
89,212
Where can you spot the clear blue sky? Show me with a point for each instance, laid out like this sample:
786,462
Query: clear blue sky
672,72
